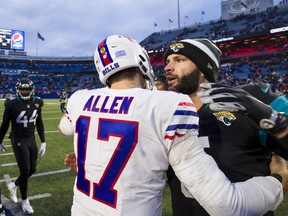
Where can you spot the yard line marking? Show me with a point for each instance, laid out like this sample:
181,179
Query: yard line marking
6,140
37,196
57,131
52,131
50,173
5,154
9,164
8,179
51,118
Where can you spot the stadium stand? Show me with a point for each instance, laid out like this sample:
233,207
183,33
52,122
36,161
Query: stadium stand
250,53
49,74
216,29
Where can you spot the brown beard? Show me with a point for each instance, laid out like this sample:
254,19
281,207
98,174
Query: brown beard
189,84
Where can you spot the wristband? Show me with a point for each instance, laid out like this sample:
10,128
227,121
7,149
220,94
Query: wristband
277,176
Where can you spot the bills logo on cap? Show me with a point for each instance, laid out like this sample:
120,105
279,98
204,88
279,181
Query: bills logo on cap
17,40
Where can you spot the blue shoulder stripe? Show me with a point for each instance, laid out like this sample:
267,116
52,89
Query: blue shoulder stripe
182,126
185,112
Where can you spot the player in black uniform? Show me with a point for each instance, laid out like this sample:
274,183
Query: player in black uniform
232,139
63,99
24,112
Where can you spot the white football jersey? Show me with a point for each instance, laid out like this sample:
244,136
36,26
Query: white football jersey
124,141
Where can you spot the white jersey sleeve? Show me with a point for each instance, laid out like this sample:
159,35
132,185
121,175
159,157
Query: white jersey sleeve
199,173
66,126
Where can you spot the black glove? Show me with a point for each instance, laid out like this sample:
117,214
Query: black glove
221,97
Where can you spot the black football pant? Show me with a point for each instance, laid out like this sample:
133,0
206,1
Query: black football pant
62,107
26,152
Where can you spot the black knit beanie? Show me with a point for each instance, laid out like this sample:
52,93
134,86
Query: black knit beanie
202,52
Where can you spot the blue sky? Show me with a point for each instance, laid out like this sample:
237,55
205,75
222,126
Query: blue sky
74,28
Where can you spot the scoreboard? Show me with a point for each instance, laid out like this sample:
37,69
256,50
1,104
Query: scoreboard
233,8
12,39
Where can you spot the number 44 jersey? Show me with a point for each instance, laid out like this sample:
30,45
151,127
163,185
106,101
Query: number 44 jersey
23,116
121,140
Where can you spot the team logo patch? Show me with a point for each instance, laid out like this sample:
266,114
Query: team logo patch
226,117
176,47
104,53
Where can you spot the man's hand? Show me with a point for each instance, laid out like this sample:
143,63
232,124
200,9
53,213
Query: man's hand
279,166
225,98
70,161
2,147
42,149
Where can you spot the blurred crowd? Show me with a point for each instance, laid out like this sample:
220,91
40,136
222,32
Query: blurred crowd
239,72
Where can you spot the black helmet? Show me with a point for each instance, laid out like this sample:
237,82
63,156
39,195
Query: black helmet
25,88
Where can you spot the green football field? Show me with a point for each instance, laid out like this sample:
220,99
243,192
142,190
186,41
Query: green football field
50,188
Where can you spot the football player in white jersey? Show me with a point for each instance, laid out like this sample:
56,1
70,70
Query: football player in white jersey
126,135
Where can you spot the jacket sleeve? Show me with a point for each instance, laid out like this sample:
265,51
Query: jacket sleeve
40,125
278,146
279,103
5,123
